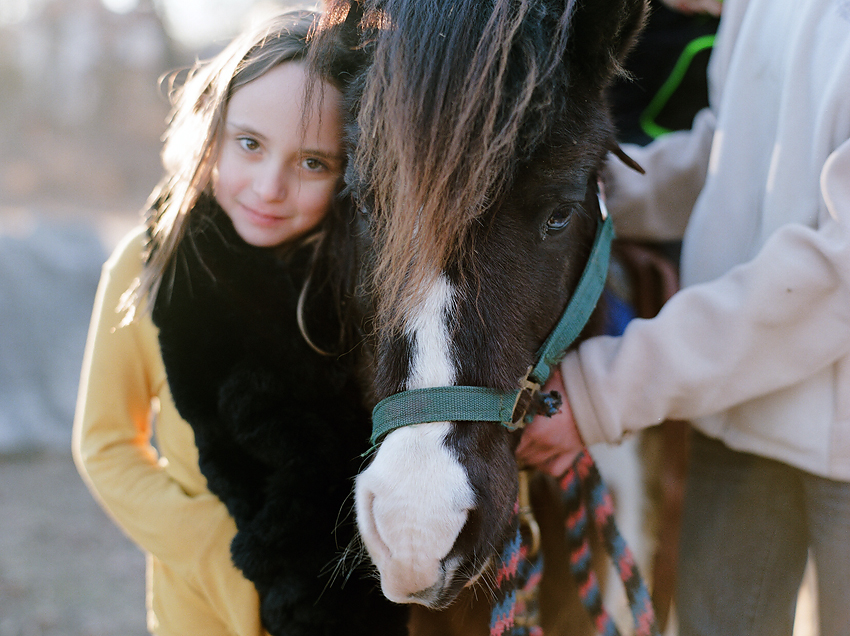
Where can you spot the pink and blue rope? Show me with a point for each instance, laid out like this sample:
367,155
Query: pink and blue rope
583,494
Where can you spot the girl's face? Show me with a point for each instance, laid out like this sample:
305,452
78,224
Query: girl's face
275,178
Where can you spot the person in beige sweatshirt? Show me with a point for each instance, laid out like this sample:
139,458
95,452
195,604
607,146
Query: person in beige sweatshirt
755,349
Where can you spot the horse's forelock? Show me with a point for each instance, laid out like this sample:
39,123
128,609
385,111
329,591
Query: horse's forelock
451,103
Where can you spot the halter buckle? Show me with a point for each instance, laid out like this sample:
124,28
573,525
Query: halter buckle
528,390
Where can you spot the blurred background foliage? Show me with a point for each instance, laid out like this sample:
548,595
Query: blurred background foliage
81,107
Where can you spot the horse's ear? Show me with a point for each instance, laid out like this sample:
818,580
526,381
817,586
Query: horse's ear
602,33
618,152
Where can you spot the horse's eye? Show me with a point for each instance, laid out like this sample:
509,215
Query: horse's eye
558,220
362,205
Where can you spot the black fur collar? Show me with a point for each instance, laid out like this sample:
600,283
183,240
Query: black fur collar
279,428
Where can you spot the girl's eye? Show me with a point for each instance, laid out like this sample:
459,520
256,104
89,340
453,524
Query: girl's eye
558,220
313,164
249,143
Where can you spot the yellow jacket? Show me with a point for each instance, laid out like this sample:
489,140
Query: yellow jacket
158,496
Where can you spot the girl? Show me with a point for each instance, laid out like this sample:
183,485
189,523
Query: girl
242,527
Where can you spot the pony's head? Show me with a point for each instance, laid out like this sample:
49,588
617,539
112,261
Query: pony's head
477,131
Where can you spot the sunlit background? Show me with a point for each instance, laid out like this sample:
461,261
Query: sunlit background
80,109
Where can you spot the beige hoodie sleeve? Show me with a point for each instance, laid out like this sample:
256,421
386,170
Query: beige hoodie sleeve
189,531
764,326
656,206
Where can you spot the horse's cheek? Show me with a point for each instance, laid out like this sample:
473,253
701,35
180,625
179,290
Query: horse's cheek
412,502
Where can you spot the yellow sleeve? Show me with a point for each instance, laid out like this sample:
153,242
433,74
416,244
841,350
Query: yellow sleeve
121,380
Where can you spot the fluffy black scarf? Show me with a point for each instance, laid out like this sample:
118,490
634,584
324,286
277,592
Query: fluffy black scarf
279,428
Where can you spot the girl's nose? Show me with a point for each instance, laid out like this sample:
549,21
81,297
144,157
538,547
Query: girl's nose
270,183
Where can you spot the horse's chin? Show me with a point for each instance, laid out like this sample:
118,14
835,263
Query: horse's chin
444,592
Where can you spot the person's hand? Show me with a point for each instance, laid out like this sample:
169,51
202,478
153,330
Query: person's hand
551,444
712,7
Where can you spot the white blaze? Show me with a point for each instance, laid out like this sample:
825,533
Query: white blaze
412,501
432,365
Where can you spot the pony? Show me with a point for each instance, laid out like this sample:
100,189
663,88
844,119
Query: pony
477,130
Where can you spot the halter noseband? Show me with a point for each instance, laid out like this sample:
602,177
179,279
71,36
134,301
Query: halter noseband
511,408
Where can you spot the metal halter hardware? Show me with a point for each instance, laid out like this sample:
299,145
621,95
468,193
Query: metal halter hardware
512,408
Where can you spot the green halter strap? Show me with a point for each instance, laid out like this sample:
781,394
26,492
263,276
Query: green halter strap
511,408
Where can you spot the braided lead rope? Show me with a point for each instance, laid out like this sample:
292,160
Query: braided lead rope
584,493
515,610
503,614
581,565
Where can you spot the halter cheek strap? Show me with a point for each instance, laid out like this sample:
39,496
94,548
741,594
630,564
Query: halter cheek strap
512,408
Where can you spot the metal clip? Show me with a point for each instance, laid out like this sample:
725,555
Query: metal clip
528,390
528,524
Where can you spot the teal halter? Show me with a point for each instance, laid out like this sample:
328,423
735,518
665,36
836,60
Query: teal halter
512,408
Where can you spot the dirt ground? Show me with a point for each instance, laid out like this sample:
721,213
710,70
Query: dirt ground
65,568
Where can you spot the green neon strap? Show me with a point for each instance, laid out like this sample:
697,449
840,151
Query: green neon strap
656,105
481,404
